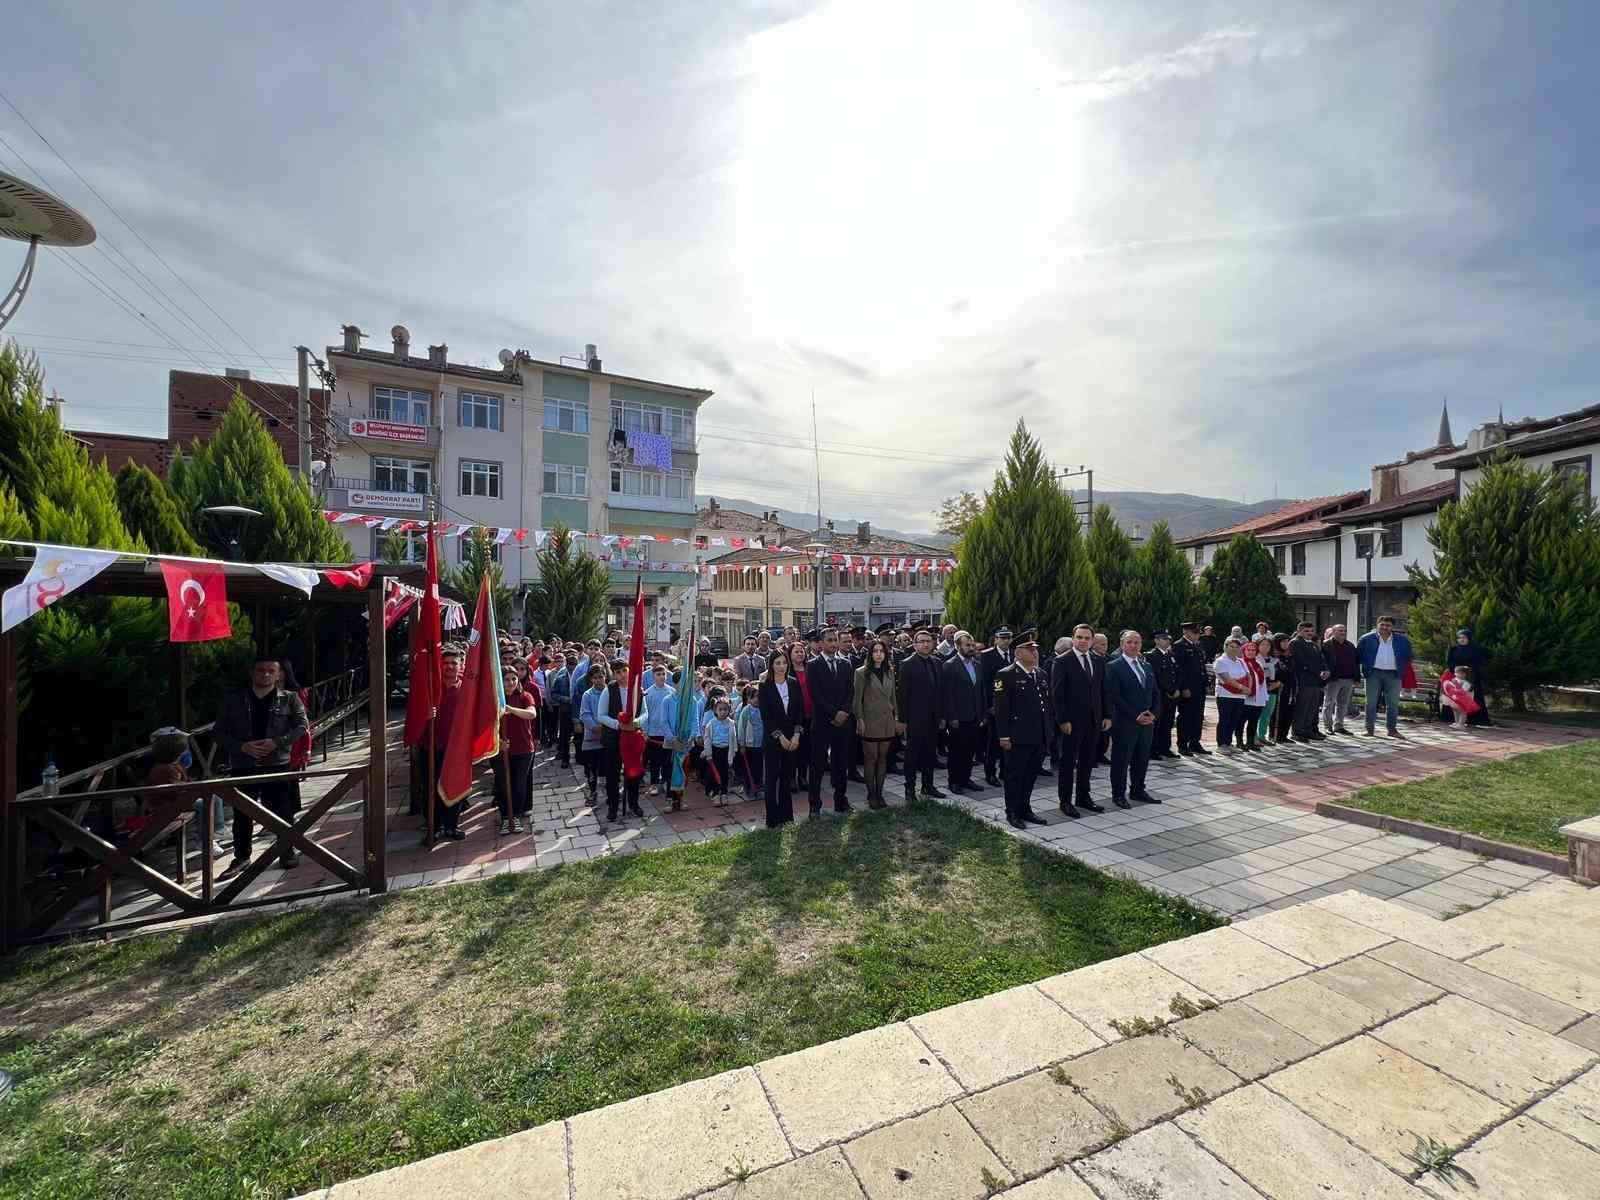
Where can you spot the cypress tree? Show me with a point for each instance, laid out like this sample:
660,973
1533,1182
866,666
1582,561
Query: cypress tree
1242,586
477,562
568,599
1023,558
1517,561
243,465
150,512
13,521
1112,555
1161,591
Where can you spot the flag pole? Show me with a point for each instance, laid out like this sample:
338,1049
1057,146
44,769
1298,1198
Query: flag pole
433,720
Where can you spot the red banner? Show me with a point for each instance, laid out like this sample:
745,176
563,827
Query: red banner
426,680
475,732
197,602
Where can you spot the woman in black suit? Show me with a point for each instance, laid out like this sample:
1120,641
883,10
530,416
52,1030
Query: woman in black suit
782,719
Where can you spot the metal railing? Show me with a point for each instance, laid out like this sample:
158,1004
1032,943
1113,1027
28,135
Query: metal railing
354,483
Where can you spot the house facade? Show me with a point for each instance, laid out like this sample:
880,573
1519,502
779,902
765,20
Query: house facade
529,445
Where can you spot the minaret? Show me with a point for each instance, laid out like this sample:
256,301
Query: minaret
1444,427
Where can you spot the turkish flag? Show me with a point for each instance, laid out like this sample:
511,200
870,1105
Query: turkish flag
355,577
197,602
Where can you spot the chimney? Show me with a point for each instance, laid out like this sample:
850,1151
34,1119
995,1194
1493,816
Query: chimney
711,504
591,356
863,533
402,341
437,354
236,373
352,338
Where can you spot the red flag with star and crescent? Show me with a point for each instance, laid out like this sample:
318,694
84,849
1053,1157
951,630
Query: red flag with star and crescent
197,602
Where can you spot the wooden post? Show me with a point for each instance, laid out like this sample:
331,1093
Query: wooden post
182,649
263,633
377,823
311,644
13,845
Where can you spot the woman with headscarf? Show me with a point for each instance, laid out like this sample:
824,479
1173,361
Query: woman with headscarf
1467,653
875,718
1255,701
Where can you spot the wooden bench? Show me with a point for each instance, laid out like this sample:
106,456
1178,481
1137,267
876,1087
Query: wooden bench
1583,850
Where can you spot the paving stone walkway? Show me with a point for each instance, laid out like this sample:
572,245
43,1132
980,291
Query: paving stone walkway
1333,1049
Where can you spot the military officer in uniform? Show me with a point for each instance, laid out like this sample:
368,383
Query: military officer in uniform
990,663
1022,727
1191,658
1165,666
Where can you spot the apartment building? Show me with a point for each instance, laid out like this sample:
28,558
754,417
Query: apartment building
527,445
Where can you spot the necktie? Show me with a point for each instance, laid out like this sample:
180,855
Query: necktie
1138,670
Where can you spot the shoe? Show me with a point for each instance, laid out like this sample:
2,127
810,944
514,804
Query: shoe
1091,806
1319,737
516,824
1033,818
1200,750
1369,733
505,828
1395,733
611,815
814,810
1046,771
956,789
1016,822
1145,798
634,809
991,780
1342,729
1071,811
654,790
933,792
876,801
288,862
237,865
218,850
1120,803
856,777
1186,753
843,806
457,835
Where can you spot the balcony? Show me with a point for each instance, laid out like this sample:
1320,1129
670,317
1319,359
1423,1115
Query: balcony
376,431
349,494
684,450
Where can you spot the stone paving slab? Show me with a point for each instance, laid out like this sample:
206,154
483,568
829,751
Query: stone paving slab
1131,1081
1313,935
1378,986
675,1142
839,1089
1241,1039
1119,989
1500,1056
1285,1154
936,1156
1002,1036
1161,1162
1574,1109
1061,1184
1463,979
1039,1120
1585,1033
1317,1013
824,1175
1381,1099
1226,963
1580,989
531,1165
1523,1160
1447,938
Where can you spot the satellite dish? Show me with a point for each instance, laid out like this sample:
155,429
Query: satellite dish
28,214
506,358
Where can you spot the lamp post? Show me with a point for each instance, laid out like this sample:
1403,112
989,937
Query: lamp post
1373,533
240,515
821,542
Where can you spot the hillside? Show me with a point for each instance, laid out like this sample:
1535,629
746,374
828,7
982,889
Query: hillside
1184,512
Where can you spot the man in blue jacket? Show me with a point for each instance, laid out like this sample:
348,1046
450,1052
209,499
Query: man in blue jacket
1133,698
1384,656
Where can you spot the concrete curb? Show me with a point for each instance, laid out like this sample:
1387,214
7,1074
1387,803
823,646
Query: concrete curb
1469,842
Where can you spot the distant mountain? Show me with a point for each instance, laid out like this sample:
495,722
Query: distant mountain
1185,513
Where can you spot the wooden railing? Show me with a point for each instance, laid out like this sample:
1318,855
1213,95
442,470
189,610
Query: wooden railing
78,829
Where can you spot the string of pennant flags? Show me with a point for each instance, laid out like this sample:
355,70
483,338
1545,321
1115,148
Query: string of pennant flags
503,535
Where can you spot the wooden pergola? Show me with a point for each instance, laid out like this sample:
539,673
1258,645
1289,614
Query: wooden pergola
62,816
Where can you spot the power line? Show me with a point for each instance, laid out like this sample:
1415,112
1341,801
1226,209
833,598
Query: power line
67,337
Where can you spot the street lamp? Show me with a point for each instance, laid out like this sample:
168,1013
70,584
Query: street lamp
1373,533
240,515
818,545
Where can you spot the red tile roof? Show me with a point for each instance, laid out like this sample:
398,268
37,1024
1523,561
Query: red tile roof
1417,500
1279,518
1305,531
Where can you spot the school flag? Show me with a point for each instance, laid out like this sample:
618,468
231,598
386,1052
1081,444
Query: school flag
632,741
475,734
683,726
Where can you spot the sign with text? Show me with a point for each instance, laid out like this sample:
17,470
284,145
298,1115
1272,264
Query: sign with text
401,501
387,431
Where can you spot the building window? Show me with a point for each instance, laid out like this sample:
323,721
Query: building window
1280,557
1579,469
403,406
566,416
414,541
1297,559
680,484
401,474
1199,556
480,479
635,481
632,416
1392,542
465,543
478,410
562,480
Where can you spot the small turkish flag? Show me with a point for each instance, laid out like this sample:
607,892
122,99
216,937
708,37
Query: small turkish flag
197,602
355,577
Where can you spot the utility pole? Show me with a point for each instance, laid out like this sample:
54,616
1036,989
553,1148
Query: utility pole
1088,506
303,412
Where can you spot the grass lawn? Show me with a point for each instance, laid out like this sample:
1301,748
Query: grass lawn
1525,799
264,1057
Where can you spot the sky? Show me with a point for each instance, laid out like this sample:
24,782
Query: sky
1231,249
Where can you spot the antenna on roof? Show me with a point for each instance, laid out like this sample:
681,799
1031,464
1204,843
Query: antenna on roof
816,452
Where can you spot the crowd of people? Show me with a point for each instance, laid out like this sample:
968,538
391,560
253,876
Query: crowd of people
804,714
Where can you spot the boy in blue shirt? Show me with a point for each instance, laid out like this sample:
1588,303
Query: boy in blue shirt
719,741
658,727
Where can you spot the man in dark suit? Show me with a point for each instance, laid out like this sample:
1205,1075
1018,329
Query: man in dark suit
1190,655
1133,699
832,685
1022,721
961,692
991,662
919,711
1166,668
1078,695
